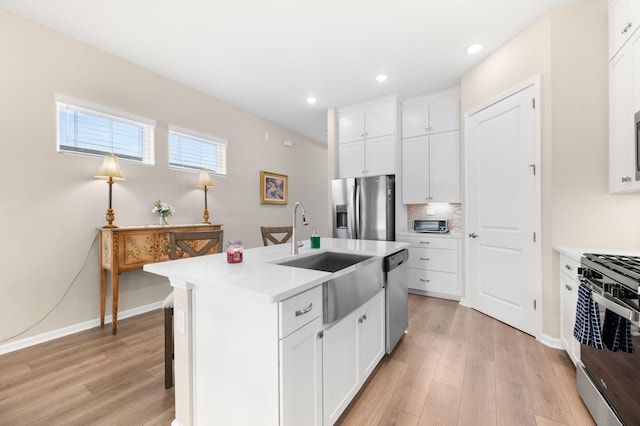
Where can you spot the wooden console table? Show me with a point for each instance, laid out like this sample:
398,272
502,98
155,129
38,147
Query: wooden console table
131,247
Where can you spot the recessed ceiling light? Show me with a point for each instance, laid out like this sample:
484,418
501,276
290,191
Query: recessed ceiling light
381,77
311,100
474,48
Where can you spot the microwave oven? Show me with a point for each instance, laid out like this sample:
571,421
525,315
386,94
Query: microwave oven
437,226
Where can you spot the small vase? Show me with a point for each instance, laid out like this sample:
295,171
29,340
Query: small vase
163,220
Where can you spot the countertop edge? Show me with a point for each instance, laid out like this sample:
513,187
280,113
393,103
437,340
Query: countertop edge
576,253
198,271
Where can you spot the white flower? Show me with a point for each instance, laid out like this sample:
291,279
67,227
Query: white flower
162,209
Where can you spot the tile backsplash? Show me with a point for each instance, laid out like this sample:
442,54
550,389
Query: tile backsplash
451,212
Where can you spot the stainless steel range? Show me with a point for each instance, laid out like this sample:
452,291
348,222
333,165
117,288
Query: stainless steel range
609,378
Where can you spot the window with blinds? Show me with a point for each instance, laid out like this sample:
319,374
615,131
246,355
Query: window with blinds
190,150
96,130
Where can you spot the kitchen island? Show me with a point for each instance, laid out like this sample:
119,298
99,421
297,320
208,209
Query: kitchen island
250,343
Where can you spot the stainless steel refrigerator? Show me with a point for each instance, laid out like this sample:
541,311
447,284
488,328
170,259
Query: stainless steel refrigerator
364,208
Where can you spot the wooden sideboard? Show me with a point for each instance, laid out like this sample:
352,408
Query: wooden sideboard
131,247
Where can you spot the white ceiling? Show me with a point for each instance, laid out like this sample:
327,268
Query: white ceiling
268,56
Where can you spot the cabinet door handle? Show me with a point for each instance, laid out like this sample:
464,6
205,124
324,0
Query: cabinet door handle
320,334
568,287
425,281
626,179
425,242
568,267
364,317
425,258
304,310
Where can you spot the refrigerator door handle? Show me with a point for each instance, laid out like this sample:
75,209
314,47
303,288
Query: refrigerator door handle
357,215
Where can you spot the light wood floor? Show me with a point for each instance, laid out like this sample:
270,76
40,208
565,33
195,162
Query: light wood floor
455,367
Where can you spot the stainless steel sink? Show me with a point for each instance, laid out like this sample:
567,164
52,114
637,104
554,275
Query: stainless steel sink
355,279
327,261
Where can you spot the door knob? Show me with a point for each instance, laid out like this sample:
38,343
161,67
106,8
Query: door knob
473,235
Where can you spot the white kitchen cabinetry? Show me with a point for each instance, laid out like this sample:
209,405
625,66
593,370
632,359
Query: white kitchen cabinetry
431,114
624,19
568,300
367,139
433,266
430,149
624,101
351,349
301,359
431,169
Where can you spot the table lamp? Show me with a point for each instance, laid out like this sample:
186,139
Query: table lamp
110,170
204,181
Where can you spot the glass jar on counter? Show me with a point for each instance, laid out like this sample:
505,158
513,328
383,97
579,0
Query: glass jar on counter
234,251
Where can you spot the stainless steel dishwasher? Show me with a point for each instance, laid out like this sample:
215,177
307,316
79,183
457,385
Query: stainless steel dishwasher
397,298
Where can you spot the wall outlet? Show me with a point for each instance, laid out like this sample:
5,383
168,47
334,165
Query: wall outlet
287,142
430,212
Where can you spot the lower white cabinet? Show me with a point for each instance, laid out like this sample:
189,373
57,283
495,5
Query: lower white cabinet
433,265
301,376
280,364
568,300
351,349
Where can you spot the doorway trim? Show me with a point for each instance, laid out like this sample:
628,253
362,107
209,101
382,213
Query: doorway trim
534,81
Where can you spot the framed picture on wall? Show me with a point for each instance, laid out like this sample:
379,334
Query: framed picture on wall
273,188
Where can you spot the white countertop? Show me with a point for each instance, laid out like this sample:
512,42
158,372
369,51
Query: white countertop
258,275
576,253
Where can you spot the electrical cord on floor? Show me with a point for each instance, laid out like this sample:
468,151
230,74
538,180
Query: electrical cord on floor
84,263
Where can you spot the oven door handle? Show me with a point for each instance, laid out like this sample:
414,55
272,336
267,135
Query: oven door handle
632,316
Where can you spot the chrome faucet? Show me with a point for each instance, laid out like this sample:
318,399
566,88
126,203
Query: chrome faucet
294,240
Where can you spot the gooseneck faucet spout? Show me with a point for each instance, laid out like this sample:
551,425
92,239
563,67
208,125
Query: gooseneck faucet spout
294,238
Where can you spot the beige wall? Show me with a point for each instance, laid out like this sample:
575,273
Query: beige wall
52,205
568,49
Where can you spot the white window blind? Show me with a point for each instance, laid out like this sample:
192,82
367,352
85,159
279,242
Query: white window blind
95,130
191,150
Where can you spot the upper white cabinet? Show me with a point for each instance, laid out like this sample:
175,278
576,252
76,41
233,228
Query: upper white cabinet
367,139
624,20
431,149
429,115
624,101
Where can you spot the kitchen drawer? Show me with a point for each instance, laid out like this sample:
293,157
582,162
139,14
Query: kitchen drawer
431,242
433,259
433,281
569,267
299,310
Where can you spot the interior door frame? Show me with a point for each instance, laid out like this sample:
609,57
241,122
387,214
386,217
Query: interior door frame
534,81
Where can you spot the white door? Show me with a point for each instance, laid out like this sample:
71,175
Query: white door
339,366
503,209
351,159
380,158
415,170
444,167
371,335
301,376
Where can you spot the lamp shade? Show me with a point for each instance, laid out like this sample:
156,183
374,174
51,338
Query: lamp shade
110,168
204,180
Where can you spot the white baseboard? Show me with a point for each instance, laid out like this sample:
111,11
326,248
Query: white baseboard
61,332
552,342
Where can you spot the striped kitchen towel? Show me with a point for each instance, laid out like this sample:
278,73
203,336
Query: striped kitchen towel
616,333
587,327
